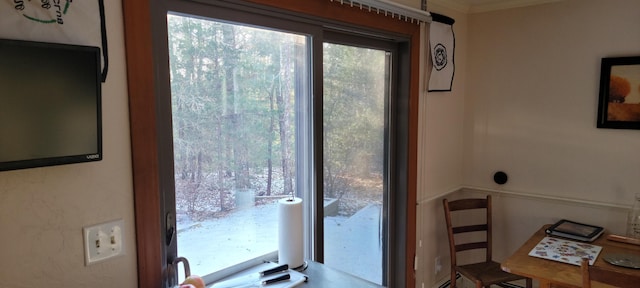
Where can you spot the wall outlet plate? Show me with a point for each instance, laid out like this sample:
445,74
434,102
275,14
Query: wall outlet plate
103,241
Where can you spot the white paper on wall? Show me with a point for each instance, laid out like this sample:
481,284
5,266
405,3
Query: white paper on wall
442,48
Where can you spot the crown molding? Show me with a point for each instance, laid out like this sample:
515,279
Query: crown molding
454,5
464,6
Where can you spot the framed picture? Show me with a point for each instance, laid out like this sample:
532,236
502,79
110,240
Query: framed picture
619,101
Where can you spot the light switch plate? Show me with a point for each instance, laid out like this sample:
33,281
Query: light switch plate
103,241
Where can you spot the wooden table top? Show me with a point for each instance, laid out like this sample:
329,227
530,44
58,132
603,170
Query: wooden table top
553,273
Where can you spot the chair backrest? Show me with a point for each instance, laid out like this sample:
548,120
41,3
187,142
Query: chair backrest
475,226
615,278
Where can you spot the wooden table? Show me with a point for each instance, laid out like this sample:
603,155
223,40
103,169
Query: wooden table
551,273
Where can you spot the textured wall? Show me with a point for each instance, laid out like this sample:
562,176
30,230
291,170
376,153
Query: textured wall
43,210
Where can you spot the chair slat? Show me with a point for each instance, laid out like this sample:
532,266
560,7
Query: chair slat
465,204
470,228
471,246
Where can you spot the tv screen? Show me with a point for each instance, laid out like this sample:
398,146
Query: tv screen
50,104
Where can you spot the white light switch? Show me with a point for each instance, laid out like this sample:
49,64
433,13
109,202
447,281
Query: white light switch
103,241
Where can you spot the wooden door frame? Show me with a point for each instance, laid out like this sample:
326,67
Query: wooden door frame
138,15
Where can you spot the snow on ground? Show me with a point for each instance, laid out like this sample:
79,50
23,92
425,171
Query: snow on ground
352,244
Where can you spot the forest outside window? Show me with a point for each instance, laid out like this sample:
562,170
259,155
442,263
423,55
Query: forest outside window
264,107
235,93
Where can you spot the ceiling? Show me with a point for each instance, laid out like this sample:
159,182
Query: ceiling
477,6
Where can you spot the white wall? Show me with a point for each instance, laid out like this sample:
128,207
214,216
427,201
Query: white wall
534,92
530,105
440,157
43,210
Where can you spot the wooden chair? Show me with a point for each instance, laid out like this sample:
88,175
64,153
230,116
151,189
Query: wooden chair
483,274
611,277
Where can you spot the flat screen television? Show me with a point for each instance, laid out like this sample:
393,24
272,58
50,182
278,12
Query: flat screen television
50,104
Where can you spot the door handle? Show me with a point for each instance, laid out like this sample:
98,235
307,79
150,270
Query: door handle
172,270
170,228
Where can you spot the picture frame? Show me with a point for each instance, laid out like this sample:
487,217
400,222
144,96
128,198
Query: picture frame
619,96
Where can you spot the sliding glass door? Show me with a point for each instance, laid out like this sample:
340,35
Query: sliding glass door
262,108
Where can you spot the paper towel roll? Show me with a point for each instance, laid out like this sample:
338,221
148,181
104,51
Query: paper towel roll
290,233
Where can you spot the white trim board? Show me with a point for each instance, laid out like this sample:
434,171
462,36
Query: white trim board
479,6
516,194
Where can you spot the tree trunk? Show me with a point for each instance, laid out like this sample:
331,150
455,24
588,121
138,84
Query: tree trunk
238,137
270,137
282,100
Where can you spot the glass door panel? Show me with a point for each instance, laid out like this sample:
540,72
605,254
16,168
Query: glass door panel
234,91
355,93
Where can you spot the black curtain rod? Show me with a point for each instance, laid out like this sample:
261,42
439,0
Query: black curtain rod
442,19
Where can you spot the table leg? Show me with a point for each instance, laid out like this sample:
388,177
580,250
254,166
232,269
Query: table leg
544,283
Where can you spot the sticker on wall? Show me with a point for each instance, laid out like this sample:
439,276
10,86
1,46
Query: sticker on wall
56,21
442,47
